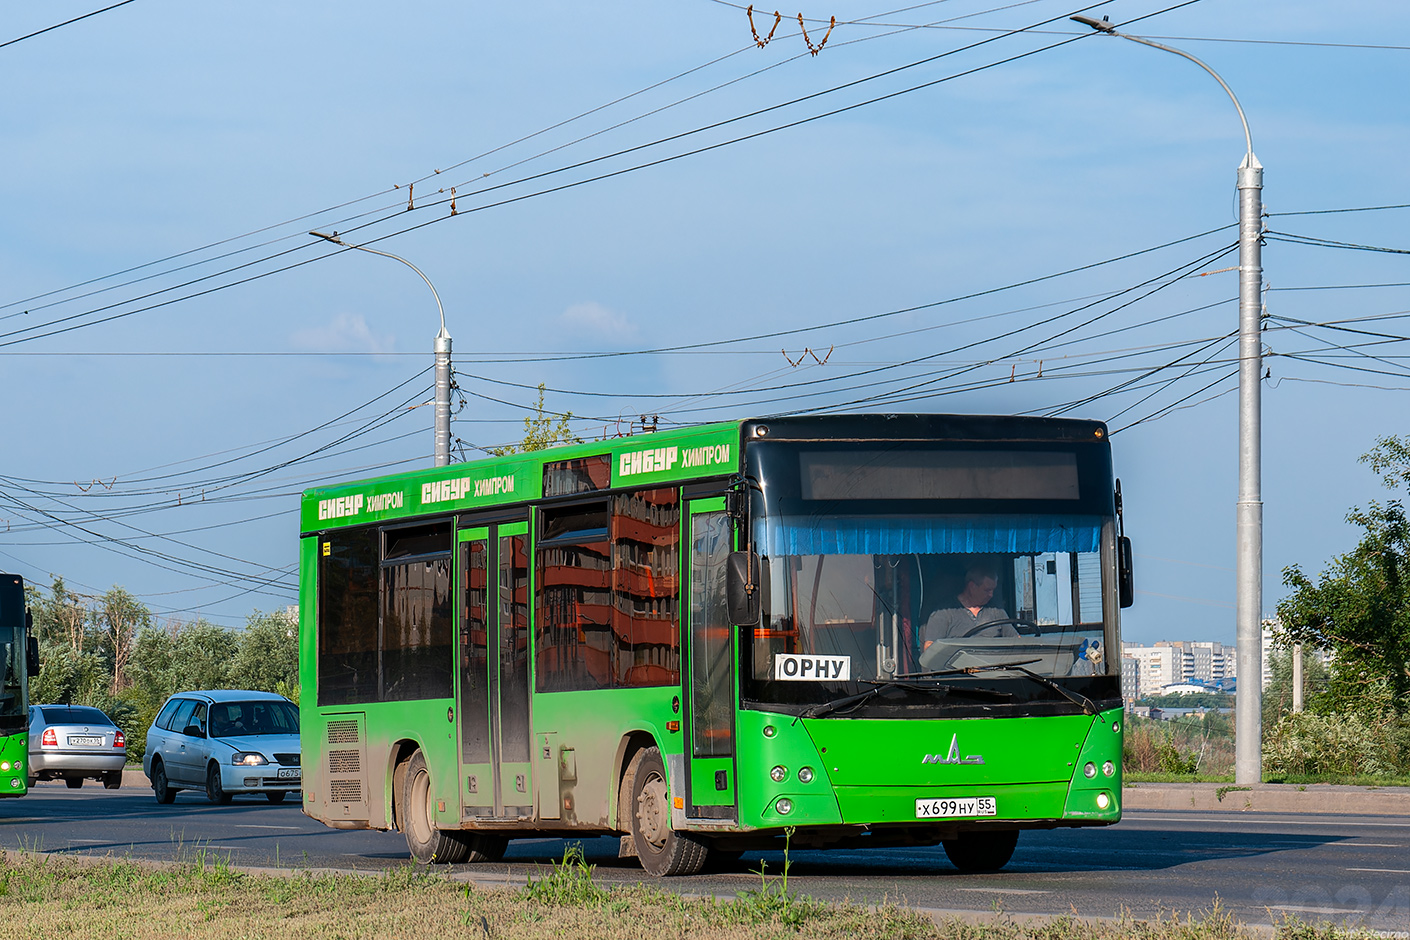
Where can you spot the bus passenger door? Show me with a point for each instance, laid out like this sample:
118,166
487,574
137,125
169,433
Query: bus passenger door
477,608
493,672
709,681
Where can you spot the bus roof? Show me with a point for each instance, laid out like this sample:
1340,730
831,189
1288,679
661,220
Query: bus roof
663,457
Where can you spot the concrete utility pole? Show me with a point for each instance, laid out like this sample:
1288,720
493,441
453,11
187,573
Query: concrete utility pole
1297,677
441,347
1248,528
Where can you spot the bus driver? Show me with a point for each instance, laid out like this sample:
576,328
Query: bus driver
971,612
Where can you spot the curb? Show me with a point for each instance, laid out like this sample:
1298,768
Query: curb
1315,798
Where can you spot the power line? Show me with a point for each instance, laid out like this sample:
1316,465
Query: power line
47,29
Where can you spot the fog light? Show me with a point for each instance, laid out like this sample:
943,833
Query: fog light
1108,768
15,784
779,773
251,781
770,731
1090,770
784,806
1103,801
805,775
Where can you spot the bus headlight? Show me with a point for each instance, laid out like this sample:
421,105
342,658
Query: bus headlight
805,775
779,773
1108,768
1090,770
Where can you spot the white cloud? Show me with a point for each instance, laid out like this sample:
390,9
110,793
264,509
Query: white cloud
348,332
594,319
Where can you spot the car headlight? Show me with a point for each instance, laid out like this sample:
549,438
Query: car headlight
248,759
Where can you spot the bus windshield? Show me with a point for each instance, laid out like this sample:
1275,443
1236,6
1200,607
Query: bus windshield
915,566
14,716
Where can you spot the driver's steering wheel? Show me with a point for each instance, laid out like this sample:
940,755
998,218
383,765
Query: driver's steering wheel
1025,627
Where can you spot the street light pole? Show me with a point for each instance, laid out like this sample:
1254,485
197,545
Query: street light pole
1248,528
441,347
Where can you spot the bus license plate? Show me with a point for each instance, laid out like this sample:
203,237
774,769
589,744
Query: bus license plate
964,806
287,772
79,740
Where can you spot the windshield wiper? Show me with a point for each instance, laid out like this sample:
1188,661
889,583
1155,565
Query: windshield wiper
1088,706
879,686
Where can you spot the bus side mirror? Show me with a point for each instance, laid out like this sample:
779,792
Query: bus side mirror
1126,585
32,656
742,588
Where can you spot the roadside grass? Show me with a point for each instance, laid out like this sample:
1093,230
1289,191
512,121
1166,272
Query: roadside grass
59,898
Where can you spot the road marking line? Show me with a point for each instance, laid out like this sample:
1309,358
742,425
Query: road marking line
1311,910
1006,890
1391,871
1376,845
251,826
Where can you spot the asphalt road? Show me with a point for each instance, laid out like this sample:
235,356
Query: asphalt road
1343,868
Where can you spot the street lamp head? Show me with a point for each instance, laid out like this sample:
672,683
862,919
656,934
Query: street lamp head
332,238
1102,25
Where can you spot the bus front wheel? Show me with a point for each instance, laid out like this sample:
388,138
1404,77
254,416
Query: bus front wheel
983,850
423,837
662,850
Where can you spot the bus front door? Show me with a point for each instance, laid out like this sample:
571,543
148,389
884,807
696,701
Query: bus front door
493,672
708,690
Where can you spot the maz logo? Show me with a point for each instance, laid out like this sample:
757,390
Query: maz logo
953,757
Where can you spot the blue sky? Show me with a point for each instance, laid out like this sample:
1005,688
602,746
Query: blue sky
157,154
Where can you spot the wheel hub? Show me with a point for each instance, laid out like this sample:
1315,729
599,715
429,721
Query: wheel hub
652,813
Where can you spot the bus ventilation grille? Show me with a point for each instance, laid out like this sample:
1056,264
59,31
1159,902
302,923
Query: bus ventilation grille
345,791
345,762
342,732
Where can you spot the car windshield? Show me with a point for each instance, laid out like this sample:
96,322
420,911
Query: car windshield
240,719
73,715
886,564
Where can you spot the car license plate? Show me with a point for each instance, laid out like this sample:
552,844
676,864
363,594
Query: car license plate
84,740
289,772
963,806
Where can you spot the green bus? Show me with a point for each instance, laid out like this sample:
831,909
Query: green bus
19,659
863,630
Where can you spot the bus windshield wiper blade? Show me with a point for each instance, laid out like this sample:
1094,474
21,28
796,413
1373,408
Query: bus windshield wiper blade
1088,706
881,685
827,708
937,687
968,670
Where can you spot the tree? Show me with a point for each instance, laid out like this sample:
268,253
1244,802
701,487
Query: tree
540,431
1360,605
268,655
121,616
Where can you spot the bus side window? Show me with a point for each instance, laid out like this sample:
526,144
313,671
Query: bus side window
347,617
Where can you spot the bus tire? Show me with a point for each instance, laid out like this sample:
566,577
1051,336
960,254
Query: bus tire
983,850
428,844
161,787
480,846
662,850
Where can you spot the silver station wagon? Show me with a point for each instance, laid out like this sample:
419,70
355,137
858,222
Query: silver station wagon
225,742
74,743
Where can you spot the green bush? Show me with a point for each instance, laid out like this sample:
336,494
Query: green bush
1346,744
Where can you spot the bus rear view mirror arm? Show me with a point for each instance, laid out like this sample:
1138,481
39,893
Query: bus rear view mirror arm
742,588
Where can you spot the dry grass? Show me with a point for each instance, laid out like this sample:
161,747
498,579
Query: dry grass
54,898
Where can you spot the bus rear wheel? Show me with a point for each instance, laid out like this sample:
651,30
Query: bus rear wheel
663,851
983,850
423,837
